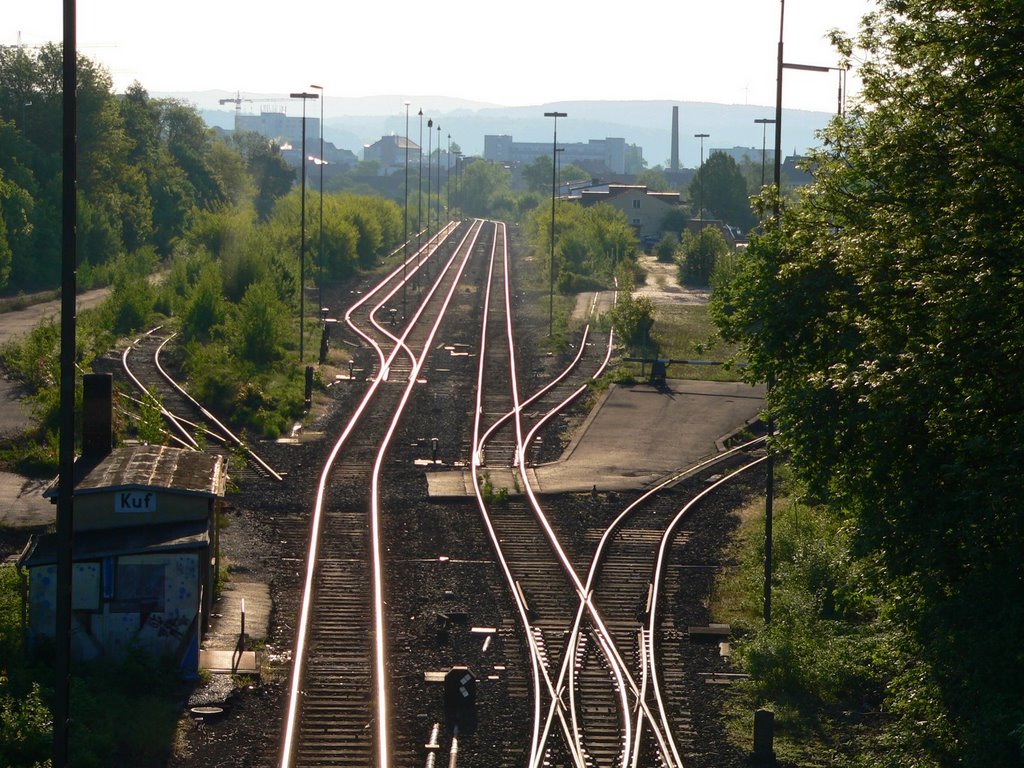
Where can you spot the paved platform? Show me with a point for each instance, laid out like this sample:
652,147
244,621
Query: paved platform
221,651
22,504
635,436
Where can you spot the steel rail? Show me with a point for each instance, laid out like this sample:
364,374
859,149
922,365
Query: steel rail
230,436
652,623
612,528
383,725
317,519
185,435
420,260
538,668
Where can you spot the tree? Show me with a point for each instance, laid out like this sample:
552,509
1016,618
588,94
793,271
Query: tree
632,317
700,254
885,308
654,179
538,174
724,189
260,324
482,184
271,175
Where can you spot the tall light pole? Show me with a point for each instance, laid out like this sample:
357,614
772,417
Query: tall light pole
419,196
551,269
700,179
320,247
764,122
430,173
405,239
302,231
770,461
438,177
448,176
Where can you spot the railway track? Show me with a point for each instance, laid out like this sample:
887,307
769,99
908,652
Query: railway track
187,423
339,699
593,650
576,652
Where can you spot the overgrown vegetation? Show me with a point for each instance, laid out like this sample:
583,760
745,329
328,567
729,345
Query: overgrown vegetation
126,713
884,306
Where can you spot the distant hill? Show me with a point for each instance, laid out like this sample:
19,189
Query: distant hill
352,123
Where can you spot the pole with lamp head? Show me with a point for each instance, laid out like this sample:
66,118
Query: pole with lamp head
320,247
439,178
302,230
554,182
405,217
764,122
430,172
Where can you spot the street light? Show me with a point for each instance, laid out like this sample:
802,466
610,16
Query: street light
302,230
439,177
430,173
769,489
419,196
764,122
448,176
320,247
554,160
405,239
700,178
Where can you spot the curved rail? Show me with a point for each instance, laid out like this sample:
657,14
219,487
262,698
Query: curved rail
298,665
231,437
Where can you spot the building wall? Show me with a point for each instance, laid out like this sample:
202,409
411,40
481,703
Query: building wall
278,125
610,152
644,212
151,601
117,509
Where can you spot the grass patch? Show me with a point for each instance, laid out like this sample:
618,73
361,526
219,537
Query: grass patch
846,681
687,332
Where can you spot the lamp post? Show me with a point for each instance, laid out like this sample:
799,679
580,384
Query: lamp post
320,246
438,177
405,218
302,230
551,270
764,122
419,196
430,172
700,179
448,175
770,460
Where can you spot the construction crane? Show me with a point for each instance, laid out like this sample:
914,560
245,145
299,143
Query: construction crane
237,101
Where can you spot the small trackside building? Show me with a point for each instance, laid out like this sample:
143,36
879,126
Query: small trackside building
144,556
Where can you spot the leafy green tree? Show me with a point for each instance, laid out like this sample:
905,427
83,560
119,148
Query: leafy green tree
260,324
482,184
632,318
724,191
590,243
271,175
189,142
206,310
665,250
537,175
700,254
884,306
654,179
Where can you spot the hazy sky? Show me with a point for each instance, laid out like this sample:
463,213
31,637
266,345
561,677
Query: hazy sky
524,52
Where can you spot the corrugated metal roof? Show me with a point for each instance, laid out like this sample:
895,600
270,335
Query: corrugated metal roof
161,467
